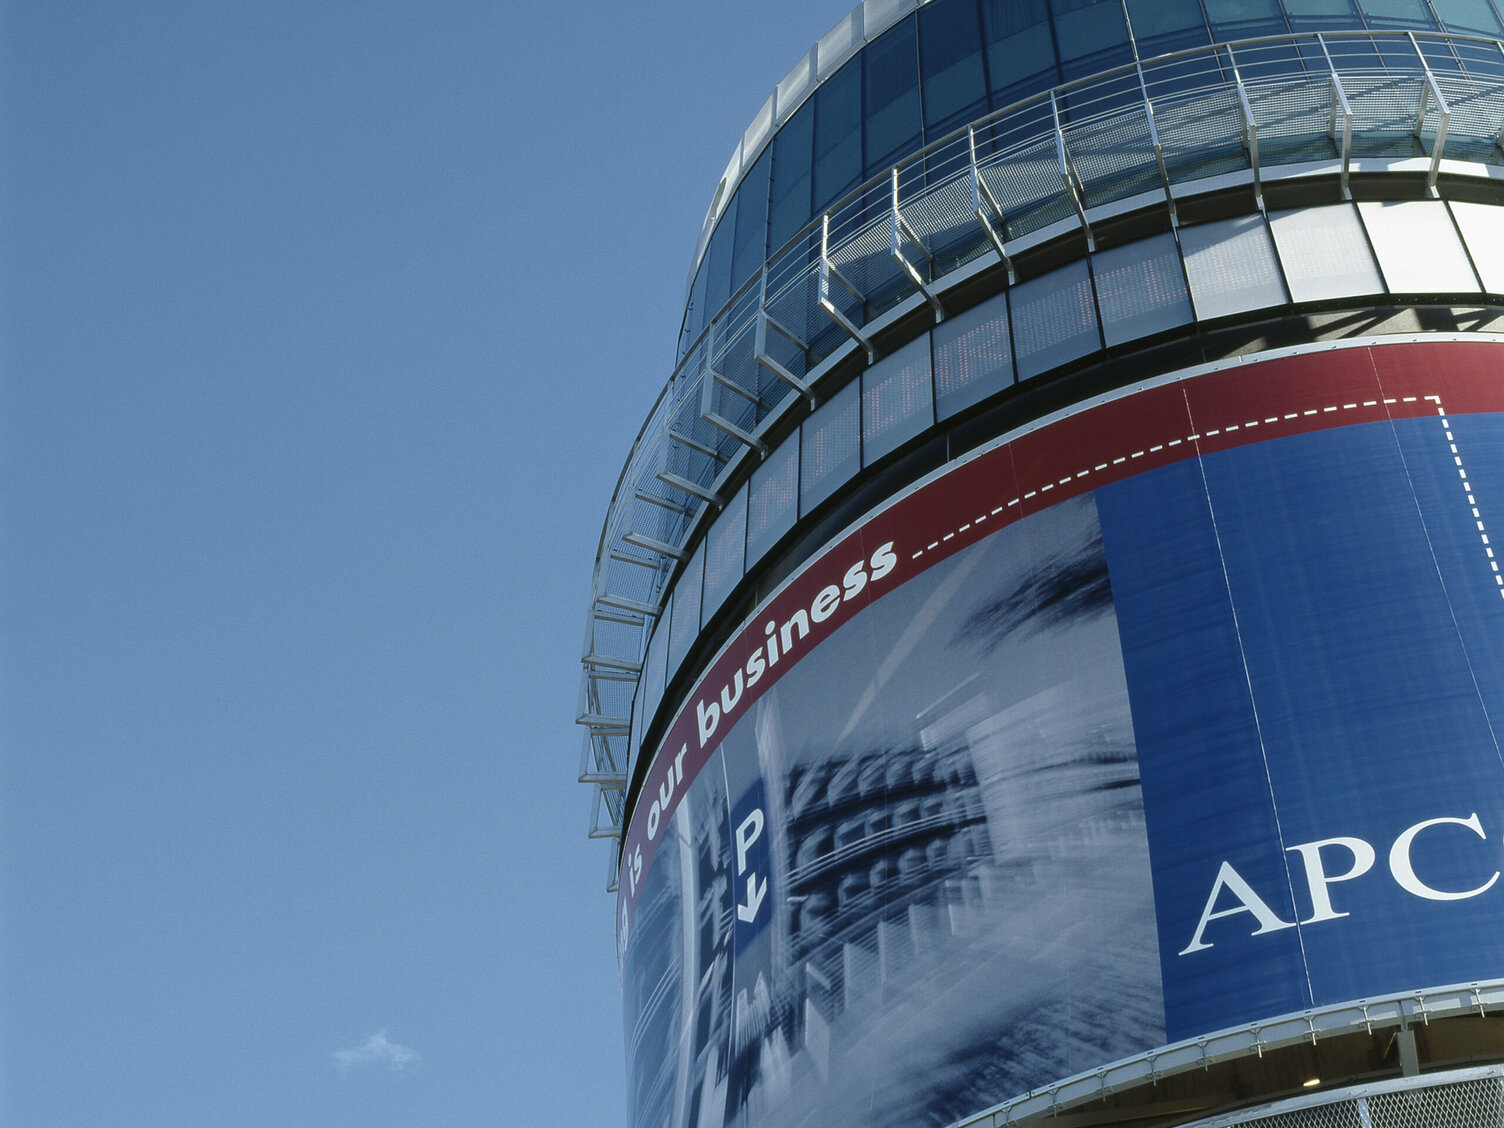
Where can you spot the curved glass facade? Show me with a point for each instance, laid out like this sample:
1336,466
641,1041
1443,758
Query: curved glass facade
1043,656
950,62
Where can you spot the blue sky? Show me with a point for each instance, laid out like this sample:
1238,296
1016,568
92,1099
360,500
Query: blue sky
326,328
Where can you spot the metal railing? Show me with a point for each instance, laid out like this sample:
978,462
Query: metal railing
1147,134
1402,1010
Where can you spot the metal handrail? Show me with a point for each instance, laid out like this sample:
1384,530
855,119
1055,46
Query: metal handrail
1143,128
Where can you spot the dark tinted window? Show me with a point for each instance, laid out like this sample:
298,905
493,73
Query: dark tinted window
1161,26
1463,16
1090,35
749,247
950,55
1398,13
838,134
1020,48
789,209
718,262
891,103
1234,19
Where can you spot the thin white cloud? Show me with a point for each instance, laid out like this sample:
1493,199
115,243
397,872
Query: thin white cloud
377,1050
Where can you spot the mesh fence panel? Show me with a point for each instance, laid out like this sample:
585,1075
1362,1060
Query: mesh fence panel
1470,1104
1114,157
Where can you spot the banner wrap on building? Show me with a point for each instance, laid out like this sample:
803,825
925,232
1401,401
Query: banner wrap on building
1170,715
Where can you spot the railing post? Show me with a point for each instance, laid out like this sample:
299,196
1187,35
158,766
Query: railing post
900,229
1250,130
980,192
1339,104
1073,186
1442,109
1159,153
827,271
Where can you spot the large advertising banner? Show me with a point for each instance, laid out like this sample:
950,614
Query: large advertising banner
1167,715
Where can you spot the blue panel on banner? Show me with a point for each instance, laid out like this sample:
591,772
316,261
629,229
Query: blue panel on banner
752,870
1193,722
1321,780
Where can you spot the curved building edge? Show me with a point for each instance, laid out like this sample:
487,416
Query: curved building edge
1077,322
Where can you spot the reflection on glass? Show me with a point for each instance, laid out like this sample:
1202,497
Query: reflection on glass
897,399
1417,247
890,103
1231,266
1141,289
1020,48
950,57
1054,320
838,134
749,247
772,500
973,356
1482,227
725,553
1325,253
788,209
684,621
830,444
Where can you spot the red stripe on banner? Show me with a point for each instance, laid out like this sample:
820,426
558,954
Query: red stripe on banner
1237,405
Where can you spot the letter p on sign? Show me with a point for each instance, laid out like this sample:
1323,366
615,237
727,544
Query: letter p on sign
747,833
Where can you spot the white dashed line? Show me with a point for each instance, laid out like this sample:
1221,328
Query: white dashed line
1191,438
1467,488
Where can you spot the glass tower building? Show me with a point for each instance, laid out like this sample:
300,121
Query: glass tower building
1046,652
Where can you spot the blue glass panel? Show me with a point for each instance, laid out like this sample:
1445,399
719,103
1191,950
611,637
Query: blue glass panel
1054,319
718,262
1316,15
1090,34
1397,13
750,247
789,207
684,623
1161,26
772,500
890,77
1141,289
694,311
725,554
1234,19
950,59
830,446
898,399
973,356
654,670
838,134
1468,16
1020,48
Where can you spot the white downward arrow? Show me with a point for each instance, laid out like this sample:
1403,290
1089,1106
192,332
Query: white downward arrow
755,894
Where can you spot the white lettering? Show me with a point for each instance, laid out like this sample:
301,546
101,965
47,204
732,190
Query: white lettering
731,694
1404,871
1318,879
1248,902
855,580
799,619
708,716
746,834
756,667
825,603
883,561
755,894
